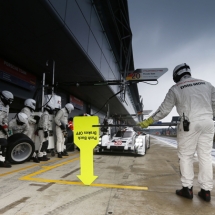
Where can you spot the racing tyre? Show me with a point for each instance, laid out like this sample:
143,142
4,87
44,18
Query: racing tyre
100,150
20,148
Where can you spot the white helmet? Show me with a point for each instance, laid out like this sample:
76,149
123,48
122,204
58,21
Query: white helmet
180,71
6,97
69,107
21,118
31,103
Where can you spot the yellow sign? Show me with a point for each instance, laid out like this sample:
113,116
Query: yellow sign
86,137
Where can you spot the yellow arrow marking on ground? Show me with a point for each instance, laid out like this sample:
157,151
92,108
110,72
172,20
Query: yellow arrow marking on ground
86,138
30,177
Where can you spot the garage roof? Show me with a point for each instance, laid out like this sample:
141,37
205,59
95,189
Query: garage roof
31,33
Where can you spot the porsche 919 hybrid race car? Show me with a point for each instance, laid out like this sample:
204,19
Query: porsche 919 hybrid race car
125,140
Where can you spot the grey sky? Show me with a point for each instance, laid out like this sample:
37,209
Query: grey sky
170,32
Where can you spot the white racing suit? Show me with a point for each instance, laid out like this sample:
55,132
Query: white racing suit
196,100
31,122
61,117
43,126
4,111
14,128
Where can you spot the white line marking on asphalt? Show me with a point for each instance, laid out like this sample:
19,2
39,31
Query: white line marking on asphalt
173,143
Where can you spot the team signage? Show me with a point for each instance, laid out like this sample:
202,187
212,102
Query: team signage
77,102
16,75
146,74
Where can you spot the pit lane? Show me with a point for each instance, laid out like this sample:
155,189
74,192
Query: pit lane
53,188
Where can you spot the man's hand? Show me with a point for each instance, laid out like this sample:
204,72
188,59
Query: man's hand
65,134
46,134
146,123
4,128
37,118
62,126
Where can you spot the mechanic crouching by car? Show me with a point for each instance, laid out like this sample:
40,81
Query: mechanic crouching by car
104,129
61,121
6,98
19,124
195,103
43,132
29,108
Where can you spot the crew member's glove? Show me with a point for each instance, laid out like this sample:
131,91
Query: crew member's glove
46,134
146,123
4,128
62,126
65,134
37,118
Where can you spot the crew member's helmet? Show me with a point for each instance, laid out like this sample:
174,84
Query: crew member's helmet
49,107
6,97
21,118
180,71
31,103
69,107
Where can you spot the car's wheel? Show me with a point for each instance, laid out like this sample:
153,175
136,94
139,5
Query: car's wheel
100,150
20,148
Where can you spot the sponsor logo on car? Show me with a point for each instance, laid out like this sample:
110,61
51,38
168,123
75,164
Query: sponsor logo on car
118,142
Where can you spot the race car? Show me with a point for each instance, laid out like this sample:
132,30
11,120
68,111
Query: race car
125,140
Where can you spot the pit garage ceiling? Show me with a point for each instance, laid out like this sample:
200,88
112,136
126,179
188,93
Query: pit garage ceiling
31,34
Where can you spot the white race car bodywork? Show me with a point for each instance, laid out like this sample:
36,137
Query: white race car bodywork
126,140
